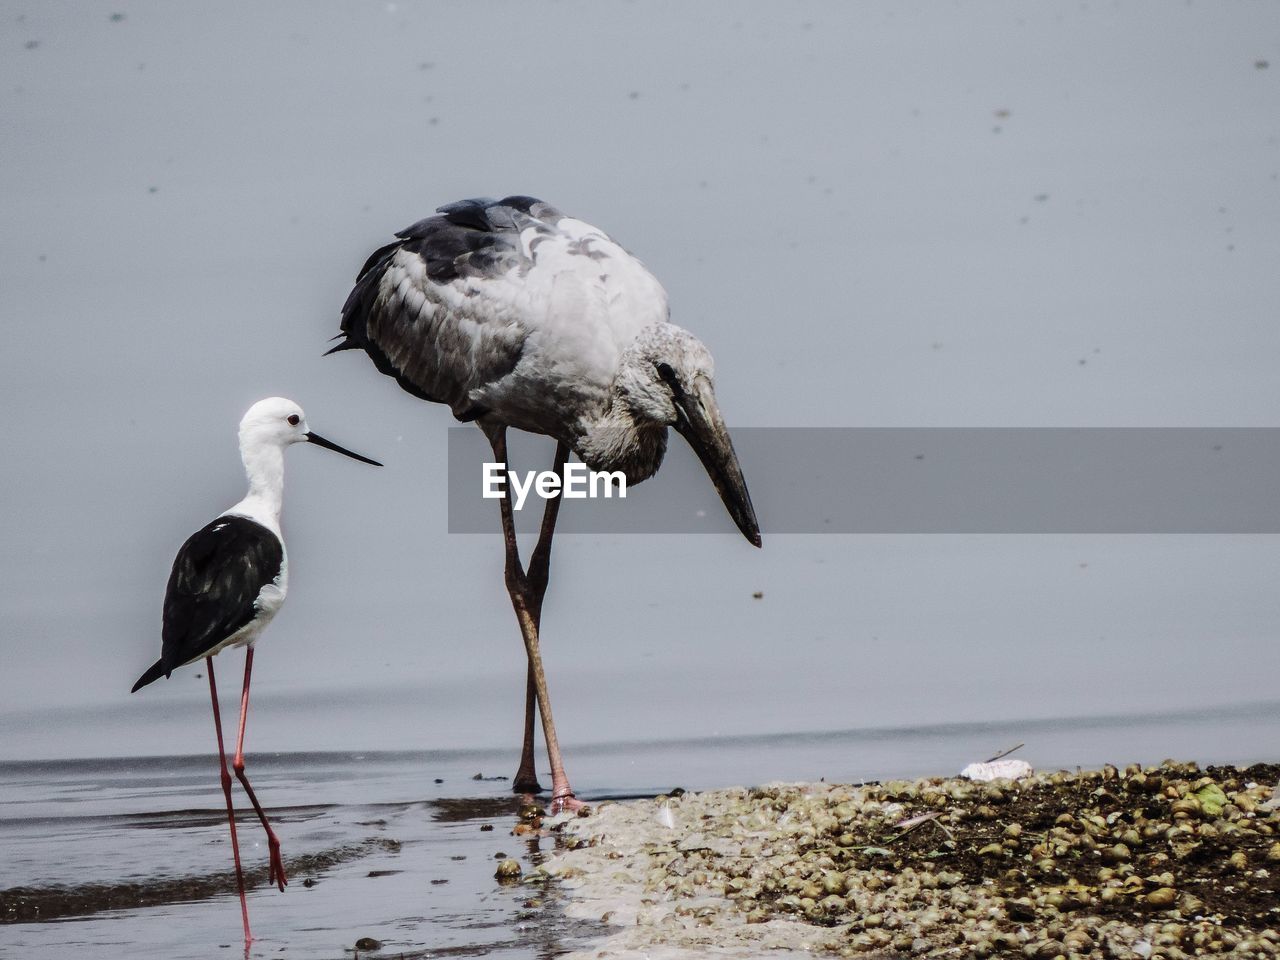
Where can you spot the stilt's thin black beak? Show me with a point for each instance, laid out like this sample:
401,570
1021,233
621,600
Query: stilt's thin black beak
700,423
320,441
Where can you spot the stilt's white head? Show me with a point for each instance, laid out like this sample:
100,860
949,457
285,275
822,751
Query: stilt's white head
275,422
265,430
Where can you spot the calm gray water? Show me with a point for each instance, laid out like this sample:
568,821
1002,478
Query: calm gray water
68,823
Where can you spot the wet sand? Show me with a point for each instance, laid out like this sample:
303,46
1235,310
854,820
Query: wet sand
29,904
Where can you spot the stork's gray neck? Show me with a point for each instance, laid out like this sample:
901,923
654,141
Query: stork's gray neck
616,441
631,433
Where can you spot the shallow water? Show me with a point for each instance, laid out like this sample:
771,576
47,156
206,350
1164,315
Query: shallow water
392,855
393,841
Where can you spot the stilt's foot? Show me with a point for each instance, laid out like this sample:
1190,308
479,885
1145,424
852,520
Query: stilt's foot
566,803
276,874
526,783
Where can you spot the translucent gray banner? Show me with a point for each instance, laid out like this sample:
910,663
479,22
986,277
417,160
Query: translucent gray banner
921,480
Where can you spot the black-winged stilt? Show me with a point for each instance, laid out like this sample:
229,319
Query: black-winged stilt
228,581
516,315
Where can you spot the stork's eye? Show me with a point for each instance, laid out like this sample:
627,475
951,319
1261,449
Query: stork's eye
666,373
294,419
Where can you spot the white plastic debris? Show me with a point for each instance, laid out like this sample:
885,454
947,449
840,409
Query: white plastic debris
997,770
666,816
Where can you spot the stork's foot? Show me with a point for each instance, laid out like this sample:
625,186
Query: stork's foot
567,803
526,783
275,873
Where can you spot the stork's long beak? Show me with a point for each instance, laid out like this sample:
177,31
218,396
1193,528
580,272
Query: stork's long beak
700,423
320,441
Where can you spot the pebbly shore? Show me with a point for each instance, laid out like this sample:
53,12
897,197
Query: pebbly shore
1165,861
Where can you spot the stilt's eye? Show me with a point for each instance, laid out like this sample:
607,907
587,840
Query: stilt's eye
294,419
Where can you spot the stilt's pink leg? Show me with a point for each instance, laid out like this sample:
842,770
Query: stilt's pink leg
231,813
276,872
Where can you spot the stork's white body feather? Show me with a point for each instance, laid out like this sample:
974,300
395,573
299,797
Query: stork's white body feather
536,343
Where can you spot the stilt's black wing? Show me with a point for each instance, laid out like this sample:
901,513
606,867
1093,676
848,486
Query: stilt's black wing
216,579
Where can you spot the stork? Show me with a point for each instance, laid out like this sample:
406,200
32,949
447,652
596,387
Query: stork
516,315
228,581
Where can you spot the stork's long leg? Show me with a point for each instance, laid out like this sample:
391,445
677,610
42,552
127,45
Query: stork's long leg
526,780
275,873
519,588
231,813
540,560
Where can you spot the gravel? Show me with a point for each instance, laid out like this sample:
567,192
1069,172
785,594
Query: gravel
1167,861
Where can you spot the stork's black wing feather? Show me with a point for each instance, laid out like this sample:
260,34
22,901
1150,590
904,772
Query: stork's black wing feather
417,344
215,582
